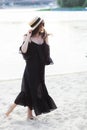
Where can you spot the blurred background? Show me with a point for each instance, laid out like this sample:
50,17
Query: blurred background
66,20
43,3
26,3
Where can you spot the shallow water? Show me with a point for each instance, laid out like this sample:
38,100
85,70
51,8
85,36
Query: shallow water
67,42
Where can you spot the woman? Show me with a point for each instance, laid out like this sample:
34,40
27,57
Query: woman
35,50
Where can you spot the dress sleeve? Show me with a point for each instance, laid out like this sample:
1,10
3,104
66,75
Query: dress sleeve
48,59
25,55
24,37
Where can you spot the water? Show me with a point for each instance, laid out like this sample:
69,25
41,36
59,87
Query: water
67,42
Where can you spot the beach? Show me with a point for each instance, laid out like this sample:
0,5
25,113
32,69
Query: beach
66,79
69,91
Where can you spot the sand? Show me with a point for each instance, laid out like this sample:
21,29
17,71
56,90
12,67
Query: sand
69,91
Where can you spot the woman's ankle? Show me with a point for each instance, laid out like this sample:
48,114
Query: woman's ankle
7,114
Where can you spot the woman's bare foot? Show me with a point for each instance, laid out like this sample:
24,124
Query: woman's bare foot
10,109
30,115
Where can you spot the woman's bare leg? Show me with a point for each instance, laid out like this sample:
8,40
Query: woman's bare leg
30,115
11,109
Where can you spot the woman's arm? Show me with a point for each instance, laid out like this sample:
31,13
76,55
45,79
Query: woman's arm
46,40
45,36
25,42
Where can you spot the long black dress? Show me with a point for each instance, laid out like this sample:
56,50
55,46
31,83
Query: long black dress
34,93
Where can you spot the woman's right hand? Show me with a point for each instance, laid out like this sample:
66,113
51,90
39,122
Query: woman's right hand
29,33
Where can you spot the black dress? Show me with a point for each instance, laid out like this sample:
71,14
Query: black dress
34,93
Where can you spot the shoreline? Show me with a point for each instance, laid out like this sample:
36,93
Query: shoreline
47,76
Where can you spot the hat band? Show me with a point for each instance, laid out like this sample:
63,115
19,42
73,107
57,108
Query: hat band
35,22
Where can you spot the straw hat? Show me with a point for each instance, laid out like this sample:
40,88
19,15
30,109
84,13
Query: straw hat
35,22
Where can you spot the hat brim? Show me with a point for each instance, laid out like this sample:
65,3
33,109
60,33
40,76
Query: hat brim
32,28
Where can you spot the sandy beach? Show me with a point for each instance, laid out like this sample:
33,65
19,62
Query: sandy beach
66,80
70,94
